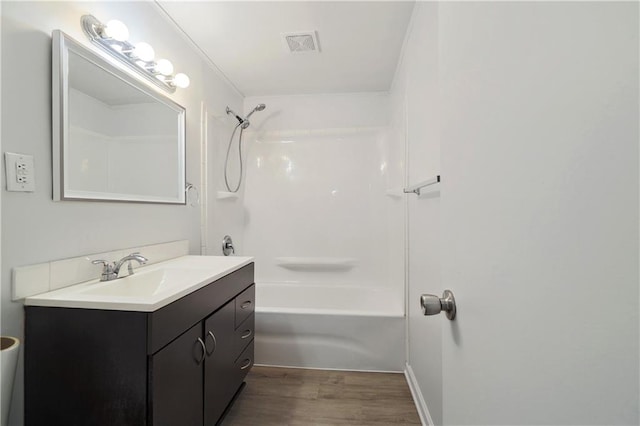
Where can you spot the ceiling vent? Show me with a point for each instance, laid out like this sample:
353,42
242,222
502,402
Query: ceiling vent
302,42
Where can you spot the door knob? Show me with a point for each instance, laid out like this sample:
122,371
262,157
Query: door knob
433,305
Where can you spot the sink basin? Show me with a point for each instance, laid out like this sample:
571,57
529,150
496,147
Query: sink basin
149,289
140,285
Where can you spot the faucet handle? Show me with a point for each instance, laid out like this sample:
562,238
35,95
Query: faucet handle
107,269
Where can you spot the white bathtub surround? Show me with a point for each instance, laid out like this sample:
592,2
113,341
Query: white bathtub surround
326,237
43,277
316,263
318,168
335,299
222,211
336,327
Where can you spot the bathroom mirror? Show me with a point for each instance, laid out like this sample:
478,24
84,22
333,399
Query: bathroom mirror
114,137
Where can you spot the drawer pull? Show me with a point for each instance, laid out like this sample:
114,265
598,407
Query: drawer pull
246,304
247,365
215,343
247,333
204,351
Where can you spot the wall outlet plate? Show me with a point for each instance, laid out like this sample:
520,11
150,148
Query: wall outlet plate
20,172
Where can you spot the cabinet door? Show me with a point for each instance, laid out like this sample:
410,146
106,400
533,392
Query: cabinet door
220,382
176,381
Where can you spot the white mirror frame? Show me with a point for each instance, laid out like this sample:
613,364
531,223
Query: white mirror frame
62,44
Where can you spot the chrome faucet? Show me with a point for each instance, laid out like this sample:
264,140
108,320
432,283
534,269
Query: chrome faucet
133,256
110,270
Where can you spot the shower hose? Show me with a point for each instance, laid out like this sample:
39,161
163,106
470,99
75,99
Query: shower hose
226,160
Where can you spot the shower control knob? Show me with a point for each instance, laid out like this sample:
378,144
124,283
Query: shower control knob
433,305
227,246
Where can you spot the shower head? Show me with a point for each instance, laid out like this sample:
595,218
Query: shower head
259,107
244,122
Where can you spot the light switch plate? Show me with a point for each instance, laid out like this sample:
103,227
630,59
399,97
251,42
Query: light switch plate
20,172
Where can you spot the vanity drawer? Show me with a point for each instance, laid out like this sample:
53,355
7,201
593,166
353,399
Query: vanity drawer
169,322
244,334
245,304
243,364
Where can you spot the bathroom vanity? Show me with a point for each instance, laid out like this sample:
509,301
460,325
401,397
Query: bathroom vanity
151,351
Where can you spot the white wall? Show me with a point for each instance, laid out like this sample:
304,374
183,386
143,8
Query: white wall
34,228
536,229
318,171
415,106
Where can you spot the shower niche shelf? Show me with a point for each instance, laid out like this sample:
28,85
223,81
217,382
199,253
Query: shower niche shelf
316,263
223,195
395,193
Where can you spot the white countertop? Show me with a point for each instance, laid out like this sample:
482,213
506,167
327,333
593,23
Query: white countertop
148,290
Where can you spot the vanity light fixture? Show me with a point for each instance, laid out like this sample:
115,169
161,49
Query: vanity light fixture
180,80
116,30
112,38
144,52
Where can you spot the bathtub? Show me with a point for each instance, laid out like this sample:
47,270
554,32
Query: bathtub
329,327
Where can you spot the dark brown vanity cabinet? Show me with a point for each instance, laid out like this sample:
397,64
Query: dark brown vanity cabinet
219,365
180,365
176,382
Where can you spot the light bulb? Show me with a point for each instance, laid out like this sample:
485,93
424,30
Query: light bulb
181,80
144,52
116,30
164,67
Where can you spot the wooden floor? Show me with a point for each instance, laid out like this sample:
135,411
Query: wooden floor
297,397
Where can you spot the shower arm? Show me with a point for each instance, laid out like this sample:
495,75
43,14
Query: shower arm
232,112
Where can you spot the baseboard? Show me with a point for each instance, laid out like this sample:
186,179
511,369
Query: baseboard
418,399
355,370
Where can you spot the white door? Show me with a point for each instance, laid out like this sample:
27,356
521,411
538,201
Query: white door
539,212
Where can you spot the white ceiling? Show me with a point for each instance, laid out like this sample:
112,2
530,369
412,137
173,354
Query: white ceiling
360,43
